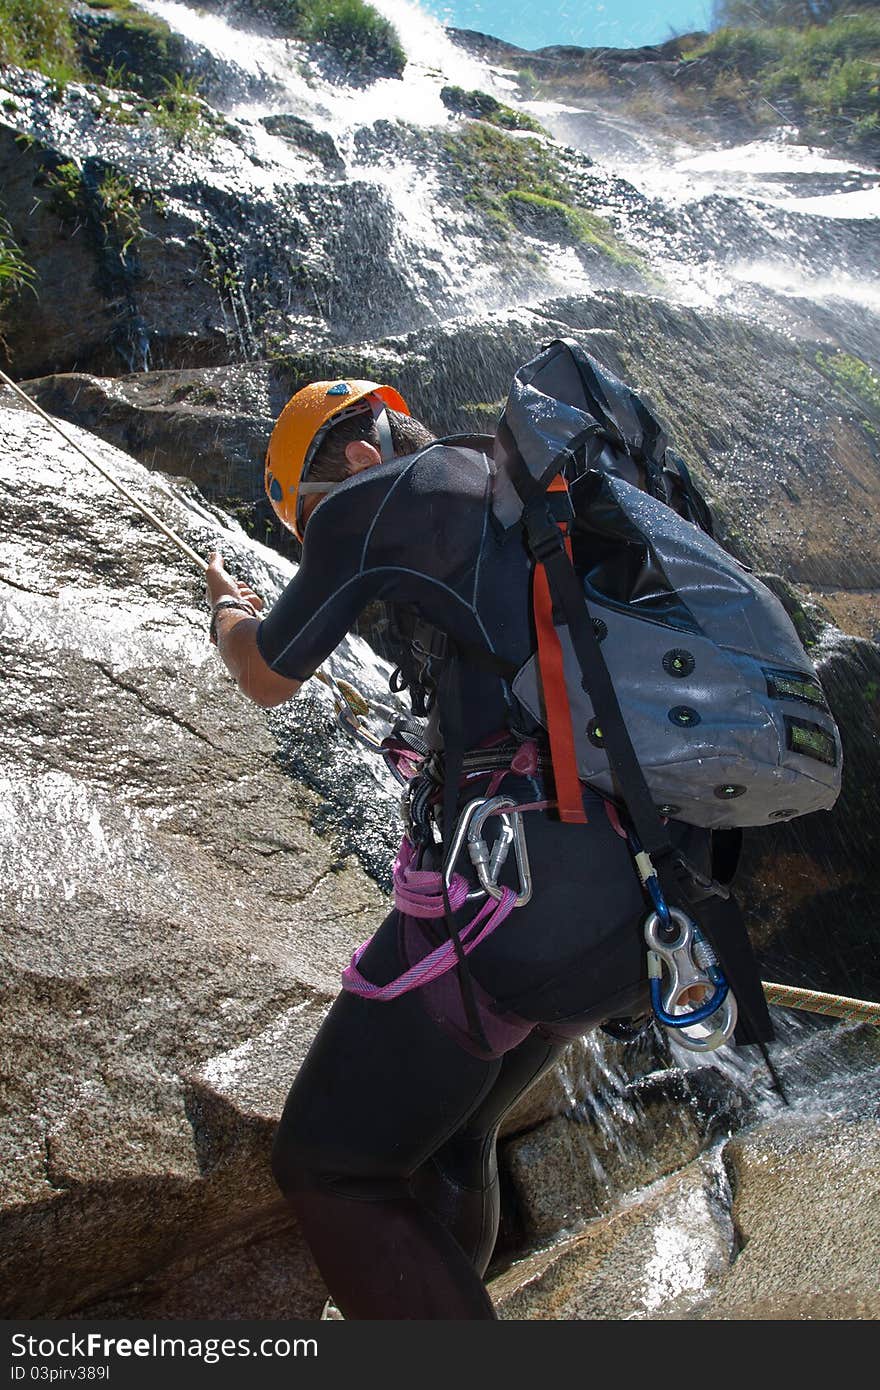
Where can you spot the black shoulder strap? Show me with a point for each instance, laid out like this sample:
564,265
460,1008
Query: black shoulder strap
481,443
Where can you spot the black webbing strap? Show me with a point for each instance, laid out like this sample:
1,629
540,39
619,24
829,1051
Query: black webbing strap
449,695
429,642
546,543
722,921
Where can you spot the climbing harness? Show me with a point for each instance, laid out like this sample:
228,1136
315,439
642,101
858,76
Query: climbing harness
425,893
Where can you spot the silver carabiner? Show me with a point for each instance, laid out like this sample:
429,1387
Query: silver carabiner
704,1034
458,839
488,864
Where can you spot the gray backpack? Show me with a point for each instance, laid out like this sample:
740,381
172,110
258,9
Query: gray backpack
687,690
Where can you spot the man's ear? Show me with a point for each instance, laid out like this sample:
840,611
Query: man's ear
360,455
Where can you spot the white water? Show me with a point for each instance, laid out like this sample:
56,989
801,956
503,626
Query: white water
788,197
432,61
763,170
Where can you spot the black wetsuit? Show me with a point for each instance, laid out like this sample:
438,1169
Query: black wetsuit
387,1143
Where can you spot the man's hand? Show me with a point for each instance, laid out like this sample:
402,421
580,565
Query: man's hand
222,585
237,640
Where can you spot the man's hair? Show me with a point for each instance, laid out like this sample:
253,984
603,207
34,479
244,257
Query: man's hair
330,464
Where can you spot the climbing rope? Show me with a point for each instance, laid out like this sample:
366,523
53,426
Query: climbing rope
120,487
837,1005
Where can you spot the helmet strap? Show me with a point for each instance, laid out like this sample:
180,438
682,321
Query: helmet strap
383,427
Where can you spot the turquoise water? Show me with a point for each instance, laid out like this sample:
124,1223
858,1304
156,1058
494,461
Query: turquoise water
614,23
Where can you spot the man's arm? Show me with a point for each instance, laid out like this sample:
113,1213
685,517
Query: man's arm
237,641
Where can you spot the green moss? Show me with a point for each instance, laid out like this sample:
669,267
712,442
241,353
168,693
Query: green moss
357,32
857,382
68,200
481,106
517,182
532,212
491,164
480,416
112,40
39,34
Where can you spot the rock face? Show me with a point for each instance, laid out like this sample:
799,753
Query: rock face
220,239
777,1223
164,897
743,405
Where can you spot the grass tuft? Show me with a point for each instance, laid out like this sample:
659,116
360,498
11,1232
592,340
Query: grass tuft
825,77
516,182
39,34
15,273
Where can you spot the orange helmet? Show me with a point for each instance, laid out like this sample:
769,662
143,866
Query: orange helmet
302,425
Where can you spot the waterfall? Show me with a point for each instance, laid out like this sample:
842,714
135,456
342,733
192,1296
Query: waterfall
327,221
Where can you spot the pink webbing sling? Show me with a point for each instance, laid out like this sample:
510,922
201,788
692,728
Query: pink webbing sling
418,893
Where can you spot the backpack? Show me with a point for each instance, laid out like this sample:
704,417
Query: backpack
667,675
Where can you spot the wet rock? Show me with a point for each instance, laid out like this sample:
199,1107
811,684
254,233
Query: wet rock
93,304
219,252
774,1223
263,1272
808,1243
164,900
210,425
651,1258
298,132
581,1162
149,54
809,888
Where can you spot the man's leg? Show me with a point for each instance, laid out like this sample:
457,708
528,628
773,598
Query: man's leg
459,1182
381,1089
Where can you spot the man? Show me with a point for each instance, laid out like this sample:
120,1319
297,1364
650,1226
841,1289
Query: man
386,1148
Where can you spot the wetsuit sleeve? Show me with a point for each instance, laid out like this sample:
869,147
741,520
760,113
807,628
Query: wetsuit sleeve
324,598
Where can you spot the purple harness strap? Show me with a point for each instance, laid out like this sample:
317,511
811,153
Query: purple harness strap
418,893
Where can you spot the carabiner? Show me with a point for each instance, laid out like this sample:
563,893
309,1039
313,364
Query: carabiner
690,962
489,864
455,848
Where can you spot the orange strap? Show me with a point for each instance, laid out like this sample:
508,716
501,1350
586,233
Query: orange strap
569,792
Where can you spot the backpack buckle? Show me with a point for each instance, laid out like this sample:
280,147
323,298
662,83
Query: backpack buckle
544,537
